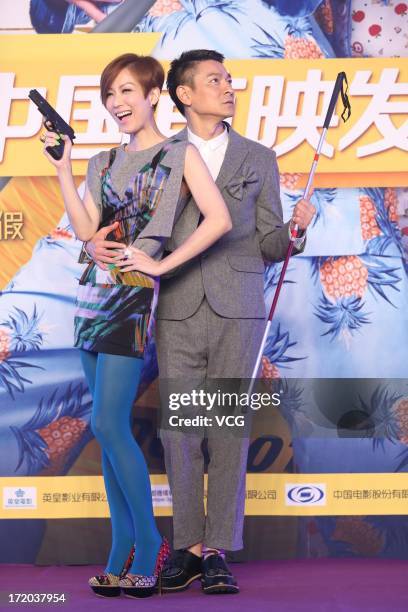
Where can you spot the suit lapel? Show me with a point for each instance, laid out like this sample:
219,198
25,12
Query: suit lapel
234,156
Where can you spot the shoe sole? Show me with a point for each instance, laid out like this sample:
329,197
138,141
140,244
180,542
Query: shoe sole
107,591
138,592
230,589
182,587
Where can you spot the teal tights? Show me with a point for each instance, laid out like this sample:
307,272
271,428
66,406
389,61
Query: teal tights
113,381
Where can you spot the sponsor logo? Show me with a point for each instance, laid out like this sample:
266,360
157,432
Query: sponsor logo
305,495
161,496
20,498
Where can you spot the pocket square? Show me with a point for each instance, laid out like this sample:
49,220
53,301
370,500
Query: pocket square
236,186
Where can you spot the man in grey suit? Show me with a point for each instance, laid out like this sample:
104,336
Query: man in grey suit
211,317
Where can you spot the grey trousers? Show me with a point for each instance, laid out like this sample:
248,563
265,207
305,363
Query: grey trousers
207,346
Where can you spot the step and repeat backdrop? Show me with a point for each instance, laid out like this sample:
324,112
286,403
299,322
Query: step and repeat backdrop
330,463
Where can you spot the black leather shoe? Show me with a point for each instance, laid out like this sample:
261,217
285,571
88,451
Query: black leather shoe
217,577
180,571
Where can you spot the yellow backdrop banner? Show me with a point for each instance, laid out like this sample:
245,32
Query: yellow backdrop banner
266,495
280,103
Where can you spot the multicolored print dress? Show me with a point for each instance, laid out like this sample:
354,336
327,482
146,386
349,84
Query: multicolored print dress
144,191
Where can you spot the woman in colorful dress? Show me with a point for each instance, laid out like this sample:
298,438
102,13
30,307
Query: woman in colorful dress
138,190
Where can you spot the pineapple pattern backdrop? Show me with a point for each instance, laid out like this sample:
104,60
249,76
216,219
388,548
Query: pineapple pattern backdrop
343,311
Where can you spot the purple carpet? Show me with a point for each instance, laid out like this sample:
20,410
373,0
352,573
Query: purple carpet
333,585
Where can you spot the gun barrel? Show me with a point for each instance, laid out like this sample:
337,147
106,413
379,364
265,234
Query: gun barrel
51,114
36,97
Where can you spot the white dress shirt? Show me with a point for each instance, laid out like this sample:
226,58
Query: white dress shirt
213,152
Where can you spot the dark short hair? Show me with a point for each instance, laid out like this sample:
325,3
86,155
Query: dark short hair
147,70
182,71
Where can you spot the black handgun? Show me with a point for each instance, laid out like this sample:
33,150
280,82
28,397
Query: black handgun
53,122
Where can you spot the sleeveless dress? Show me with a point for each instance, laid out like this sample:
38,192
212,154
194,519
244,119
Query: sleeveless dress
113,308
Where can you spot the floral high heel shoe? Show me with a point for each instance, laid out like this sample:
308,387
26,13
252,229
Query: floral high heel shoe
136,585
107,585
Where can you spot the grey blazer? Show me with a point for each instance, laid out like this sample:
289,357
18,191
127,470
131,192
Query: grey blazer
230,273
